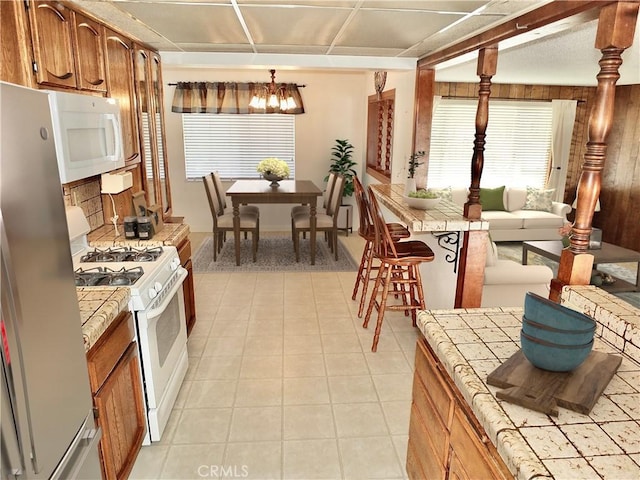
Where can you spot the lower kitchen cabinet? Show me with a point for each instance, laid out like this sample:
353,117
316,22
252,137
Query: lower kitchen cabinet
114,375
184,251
445,439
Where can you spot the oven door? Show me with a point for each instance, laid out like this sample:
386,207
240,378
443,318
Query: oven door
162,334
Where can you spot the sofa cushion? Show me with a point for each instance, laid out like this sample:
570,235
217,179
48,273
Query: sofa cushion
539,199
459,196
538,219
492,198
515,198
502,220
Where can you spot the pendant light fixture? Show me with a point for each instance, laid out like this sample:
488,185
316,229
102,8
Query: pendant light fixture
272,96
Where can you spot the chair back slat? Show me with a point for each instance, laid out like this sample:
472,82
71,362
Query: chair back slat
366,225
326,195
214,201
383,245
335,200
222,195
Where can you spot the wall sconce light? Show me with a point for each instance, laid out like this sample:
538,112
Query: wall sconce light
273,97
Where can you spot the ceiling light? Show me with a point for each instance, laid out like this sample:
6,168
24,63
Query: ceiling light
272,96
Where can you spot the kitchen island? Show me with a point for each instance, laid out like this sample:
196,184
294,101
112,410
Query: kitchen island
442,229
460,427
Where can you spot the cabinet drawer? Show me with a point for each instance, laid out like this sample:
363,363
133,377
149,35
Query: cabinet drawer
478,457
184,251
104,355
437,389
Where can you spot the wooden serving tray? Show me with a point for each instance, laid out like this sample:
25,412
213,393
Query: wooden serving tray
544,391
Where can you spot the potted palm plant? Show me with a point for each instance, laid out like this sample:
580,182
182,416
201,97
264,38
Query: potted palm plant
341,163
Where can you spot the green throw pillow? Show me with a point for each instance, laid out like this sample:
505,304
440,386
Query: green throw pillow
492,198
539,199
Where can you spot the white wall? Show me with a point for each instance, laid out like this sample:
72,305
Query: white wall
336,107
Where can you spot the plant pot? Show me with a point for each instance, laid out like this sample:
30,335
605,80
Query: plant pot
410,186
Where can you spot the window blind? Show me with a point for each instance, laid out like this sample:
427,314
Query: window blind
517,148
234,144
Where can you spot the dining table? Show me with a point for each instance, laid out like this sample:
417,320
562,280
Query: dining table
248,192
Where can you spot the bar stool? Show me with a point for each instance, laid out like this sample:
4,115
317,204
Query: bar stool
398,274
366,231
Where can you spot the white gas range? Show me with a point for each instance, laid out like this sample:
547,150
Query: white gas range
154,277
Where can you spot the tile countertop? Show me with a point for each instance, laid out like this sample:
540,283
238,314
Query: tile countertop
99,306
445,217
604,444
171,234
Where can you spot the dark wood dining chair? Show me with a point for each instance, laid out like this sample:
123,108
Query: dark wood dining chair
223,222
367,232
398,274
326,195
326,222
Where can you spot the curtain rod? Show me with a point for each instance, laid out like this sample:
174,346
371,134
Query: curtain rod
174,84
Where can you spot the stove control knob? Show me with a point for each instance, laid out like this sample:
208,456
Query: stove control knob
157,286
152,293
175,263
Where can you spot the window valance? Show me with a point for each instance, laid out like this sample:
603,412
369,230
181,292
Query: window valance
228,97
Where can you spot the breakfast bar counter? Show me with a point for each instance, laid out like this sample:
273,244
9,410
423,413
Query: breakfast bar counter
441,228
469,344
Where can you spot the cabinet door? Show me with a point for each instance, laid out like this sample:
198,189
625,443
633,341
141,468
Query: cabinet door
51,27
89,54
120,85
15,59
121,415
145,123
162,174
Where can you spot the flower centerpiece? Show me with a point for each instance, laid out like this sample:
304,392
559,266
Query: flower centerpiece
273,169
565,232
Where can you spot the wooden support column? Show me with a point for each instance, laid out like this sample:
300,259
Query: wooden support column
487,62
616,26
474,250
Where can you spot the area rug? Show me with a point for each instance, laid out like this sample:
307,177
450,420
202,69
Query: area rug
513,251
275,253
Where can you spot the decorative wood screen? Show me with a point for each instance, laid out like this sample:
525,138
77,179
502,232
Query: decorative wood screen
380,135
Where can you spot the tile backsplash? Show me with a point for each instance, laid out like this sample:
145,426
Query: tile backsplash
86,195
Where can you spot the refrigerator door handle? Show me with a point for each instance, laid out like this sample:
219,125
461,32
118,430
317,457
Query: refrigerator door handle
85,442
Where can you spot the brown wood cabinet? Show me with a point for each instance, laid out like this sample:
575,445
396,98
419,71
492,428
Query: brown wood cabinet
184,251
68,47
119,54
16,55
114,375
445,439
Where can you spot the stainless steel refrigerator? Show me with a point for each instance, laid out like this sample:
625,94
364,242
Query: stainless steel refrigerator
47,424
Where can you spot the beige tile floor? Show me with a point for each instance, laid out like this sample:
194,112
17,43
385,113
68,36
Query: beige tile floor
282,383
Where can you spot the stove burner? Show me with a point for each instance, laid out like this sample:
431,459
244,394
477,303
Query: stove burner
123,254
100,276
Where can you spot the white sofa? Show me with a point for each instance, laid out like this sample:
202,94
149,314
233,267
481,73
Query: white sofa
516,224
506,282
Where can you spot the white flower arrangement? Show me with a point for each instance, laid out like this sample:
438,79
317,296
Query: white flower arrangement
274,166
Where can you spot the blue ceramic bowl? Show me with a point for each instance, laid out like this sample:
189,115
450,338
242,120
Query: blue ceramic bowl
554,357
547,312
556,335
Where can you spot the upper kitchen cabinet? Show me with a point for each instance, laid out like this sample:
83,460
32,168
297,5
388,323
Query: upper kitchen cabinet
68,47
15,66
149,90
120,85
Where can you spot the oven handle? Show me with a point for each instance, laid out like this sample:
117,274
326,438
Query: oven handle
181,276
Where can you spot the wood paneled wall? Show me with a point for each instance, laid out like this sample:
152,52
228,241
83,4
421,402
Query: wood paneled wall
620,195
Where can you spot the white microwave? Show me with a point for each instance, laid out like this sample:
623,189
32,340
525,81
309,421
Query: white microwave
87,134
